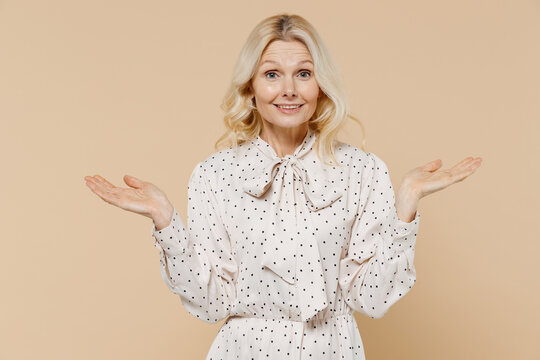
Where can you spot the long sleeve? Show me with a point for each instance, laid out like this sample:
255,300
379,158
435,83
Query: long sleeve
378,267
196,262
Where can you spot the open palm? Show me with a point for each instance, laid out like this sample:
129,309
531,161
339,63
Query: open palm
141,198
426,179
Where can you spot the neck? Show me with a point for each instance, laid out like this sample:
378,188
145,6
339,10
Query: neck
284,141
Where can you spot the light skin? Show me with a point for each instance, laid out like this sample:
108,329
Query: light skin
285,75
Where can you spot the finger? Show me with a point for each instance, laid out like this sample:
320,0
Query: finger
433,165
106,188
104,182
463,172
473,164
462,164
133,181
99,191
476,162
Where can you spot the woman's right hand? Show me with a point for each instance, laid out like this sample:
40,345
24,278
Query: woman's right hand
142,198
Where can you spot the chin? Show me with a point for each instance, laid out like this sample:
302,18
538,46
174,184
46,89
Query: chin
288,124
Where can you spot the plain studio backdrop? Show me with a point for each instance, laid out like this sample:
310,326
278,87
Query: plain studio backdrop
134,87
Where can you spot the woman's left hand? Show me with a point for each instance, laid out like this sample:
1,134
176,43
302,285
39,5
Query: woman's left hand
424,180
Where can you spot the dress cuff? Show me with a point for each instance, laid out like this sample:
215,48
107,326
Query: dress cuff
404,229
170,238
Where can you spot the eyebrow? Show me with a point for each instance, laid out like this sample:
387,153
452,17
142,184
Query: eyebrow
275,62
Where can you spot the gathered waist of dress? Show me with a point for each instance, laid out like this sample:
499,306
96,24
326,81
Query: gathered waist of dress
312,322
324,337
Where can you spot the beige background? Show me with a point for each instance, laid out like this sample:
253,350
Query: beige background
134,87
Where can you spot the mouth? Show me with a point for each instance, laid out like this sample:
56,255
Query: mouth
288,109
288,106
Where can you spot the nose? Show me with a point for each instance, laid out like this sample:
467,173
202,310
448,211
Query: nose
289,88
289,92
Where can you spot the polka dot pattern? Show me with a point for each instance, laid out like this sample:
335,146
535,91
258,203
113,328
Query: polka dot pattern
291,251
287,248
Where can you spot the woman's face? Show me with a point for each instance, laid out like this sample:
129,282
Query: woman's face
285,76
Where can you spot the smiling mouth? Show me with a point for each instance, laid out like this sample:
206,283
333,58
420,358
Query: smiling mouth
289,108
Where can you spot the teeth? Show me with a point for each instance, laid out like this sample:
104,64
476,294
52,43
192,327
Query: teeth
289,106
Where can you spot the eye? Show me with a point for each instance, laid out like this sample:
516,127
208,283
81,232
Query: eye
269,72
301,72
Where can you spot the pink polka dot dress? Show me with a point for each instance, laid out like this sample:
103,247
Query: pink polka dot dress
286,249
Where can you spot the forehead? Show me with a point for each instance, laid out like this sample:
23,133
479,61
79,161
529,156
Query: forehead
286,51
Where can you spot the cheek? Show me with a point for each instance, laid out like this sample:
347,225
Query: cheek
268,92
265,92
310,91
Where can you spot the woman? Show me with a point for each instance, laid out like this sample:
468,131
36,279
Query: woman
289,230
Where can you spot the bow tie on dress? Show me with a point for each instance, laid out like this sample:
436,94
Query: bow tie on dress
291,249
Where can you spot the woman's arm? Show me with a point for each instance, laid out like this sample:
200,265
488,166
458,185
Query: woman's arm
378,268
196,261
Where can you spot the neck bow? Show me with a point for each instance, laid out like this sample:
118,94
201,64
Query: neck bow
291,249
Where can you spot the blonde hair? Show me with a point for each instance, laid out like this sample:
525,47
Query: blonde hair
243,123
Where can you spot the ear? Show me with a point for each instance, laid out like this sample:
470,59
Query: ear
320,93
251,94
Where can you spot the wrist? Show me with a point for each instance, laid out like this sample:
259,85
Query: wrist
409,191
407,203
162,216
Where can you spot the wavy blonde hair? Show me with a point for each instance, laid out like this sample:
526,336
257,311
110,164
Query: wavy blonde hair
243,123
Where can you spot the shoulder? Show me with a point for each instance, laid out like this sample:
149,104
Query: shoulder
360,162
217,165
351,155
